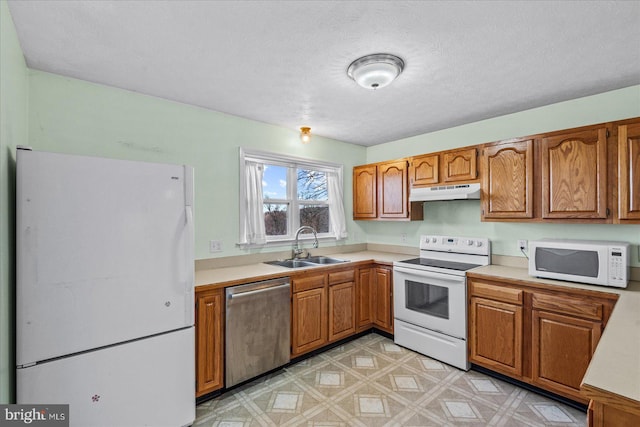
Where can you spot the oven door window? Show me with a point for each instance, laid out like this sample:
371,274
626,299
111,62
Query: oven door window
427,299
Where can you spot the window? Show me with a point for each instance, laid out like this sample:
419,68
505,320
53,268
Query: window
294,192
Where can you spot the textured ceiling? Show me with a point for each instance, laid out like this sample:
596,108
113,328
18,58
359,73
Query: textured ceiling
284,62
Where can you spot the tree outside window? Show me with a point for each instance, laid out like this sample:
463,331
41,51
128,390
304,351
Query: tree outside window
289,191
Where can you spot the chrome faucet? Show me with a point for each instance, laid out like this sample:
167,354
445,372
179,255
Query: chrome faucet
297,250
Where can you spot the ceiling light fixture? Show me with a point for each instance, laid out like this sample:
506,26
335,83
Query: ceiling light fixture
375,71
305,134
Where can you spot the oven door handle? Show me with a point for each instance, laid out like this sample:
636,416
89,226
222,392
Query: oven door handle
429,274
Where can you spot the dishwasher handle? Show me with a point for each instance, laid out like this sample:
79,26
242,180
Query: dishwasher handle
257,291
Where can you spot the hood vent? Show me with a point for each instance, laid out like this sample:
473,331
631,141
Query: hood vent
445,192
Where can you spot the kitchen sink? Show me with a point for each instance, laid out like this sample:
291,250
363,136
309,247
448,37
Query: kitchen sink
292,263
313,261
324,260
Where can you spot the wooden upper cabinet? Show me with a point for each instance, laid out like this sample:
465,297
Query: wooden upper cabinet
460,165
365,192
392,190
629,172
507,180
444,167
381,191
574,175
424,170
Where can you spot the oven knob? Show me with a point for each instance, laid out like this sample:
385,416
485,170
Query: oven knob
433,240
470,242
478,243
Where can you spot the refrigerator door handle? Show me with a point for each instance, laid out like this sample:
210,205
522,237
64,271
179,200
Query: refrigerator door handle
189,242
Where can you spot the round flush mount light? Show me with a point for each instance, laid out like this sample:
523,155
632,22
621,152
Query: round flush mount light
375,71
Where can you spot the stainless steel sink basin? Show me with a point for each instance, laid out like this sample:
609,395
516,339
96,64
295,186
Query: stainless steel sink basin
324,260
313,261
292,263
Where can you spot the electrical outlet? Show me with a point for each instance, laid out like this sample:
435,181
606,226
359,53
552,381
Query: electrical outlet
403,237
215,246
522,245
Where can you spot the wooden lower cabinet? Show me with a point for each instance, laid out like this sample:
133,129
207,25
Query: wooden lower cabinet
543,335
383,299
328,307
209,341
309,320
364,298
561,351
601,414
342,305
495,335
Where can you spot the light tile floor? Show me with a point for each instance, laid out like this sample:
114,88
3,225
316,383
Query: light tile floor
372,382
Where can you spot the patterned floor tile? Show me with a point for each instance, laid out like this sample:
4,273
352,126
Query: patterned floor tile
371,382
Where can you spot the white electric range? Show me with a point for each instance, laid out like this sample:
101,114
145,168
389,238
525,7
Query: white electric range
430,296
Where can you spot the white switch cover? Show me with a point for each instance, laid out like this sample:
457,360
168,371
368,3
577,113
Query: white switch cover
215,246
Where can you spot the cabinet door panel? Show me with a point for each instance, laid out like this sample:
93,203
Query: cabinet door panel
365,192
629,171
424,170
460,165
382,296
392,190
562,349
364,309
507,184
574,175
342,319
309,320
209,339
495,335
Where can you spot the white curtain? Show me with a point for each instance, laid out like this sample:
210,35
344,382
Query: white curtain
254,232
336,206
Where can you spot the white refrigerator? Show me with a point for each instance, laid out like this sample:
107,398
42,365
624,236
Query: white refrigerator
105,270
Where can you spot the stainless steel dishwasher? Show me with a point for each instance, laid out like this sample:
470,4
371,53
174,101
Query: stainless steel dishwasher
257,329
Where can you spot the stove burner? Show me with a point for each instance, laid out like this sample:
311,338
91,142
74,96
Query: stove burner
437,263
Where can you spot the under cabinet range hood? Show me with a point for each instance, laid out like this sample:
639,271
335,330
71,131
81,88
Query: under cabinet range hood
445,192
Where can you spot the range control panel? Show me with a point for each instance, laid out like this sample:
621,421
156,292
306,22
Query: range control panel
464,245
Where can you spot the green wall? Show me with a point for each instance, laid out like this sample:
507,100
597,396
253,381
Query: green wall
463,217
73,116
13,131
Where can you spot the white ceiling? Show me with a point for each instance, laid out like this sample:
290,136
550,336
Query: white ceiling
284,62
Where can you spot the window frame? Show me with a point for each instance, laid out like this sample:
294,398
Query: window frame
293,163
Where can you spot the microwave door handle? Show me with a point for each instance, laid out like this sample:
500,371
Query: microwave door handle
429,274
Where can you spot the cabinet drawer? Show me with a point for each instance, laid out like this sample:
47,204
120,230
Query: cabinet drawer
342,276
563,304
311,282
496,292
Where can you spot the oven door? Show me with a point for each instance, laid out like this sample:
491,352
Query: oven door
431,300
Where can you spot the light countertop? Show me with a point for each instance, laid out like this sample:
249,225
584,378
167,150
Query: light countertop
261,271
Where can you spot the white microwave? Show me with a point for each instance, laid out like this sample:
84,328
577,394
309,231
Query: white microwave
586,261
